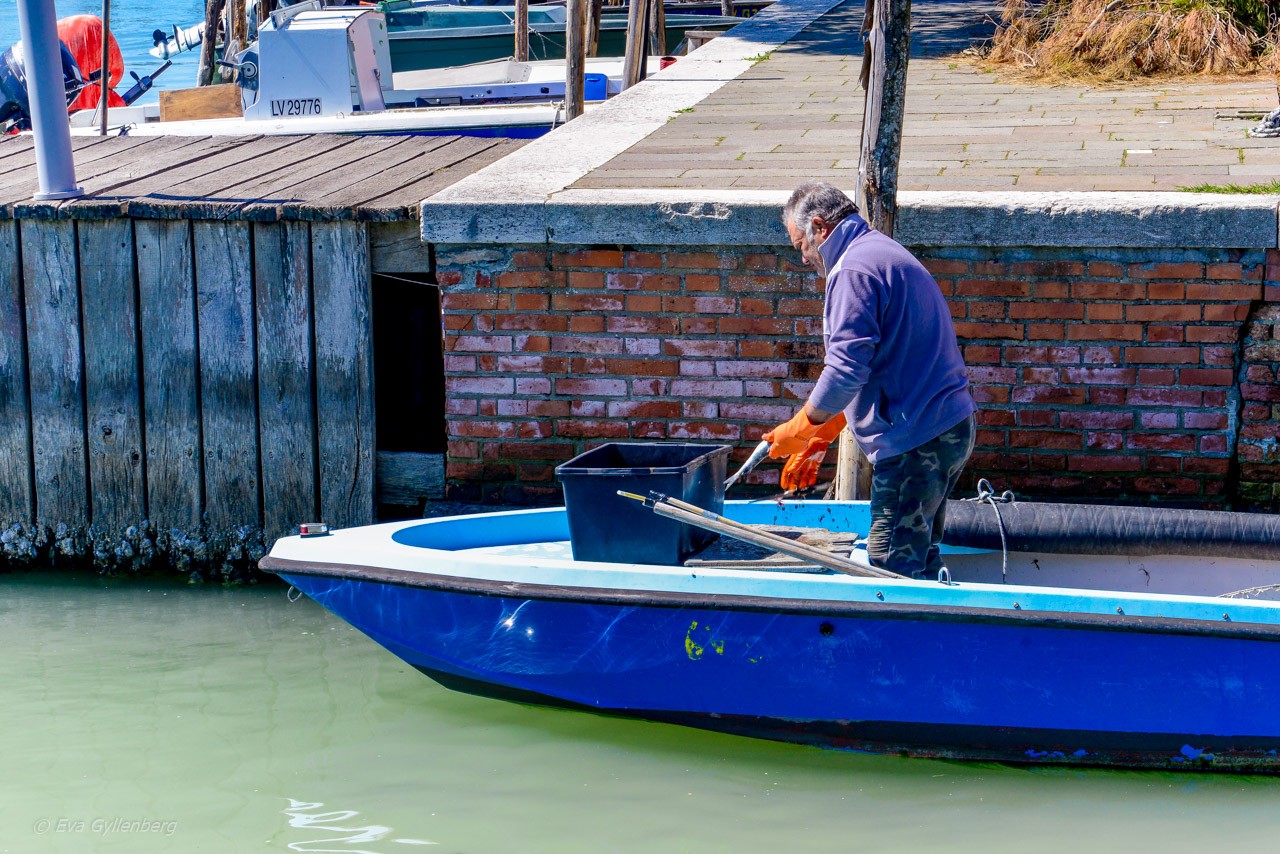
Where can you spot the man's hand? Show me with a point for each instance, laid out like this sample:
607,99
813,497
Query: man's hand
793,436
801,470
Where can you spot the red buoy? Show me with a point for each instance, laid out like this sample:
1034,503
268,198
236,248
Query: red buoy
82,34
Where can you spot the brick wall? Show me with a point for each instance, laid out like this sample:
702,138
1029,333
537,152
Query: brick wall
1105,374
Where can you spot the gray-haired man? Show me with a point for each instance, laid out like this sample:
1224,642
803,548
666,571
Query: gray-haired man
892,370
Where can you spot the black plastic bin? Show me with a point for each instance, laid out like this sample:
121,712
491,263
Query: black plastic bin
604,526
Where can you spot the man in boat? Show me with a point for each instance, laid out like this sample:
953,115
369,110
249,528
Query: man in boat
893,372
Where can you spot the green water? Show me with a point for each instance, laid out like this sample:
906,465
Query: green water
143,717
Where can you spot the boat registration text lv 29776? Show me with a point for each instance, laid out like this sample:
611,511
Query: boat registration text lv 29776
296,107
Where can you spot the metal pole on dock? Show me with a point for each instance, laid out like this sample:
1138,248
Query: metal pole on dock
575,65
522,30
104,74
886,30
42,58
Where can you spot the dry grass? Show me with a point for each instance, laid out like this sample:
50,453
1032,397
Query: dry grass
1113,40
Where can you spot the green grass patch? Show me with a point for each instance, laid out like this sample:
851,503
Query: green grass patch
1270,188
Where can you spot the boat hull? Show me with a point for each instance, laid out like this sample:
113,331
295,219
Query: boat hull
918,680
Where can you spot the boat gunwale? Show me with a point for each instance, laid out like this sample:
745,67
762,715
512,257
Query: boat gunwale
1073,621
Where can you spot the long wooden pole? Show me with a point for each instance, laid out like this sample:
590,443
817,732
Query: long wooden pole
657,28
522,31
593,27
104,73
212,13
886,32
634,58
575,43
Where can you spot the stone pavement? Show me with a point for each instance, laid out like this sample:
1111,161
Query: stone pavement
796,114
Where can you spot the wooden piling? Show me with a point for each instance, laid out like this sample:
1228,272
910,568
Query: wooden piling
17,497
634,57
575,58
522,31
113,405
170,375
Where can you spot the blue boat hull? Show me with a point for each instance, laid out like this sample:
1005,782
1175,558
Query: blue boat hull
919,680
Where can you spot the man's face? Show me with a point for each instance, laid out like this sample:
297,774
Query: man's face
808,247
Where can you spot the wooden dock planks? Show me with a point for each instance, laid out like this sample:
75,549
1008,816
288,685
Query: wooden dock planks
17,497
56,370
170,374
286,375
228,406
113,406
344,371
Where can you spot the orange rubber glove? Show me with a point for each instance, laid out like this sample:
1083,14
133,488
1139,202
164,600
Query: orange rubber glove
801,470
793,436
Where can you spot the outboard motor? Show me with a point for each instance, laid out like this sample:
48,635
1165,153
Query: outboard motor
15,106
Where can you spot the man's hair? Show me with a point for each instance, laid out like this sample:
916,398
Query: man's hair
817,198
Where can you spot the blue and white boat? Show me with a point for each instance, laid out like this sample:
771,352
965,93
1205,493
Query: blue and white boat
1144,659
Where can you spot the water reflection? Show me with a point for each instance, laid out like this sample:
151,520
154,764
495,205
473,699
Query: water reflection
333,821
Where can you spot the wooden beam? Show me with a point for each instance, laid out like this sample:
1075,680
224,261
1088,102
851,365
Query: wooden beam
522,31
657,28
575,65
635,58
212,14
17,498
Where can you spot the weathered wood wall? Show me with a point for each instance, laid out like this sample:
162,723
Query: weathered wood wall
182,391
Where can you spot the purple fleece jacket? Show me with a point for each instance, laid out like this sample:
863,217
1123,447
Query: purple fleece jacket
892,363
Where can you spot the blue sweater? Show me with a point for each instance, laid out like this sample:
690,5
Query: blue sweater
892,365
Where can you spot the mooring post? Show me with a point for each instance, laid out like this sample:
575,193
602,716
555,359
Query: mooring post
886,49
522,31
575,65
42,58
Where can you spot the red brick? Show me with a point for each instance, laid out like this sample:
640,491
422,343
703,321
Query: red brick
1106,396
1212,445
1164,334
649,387
1049,394
1056,439
587,302
1040,355
706,388
980,354
1096,420
643,259
533,385
642,367
985,310
1162,355
1046,310
654,325
1224,272
1104,463
697,326
644,409
1206,376
1040,376
695,347
479,385
770,414
478,344
757,349
743,283
1158,420
533,364
992,375
1050,290
697,261
804,307
1165,270
1228,312
1105,269
585,344
760,307
588,408
1212,334
530,302
1157,376
1261,393
1166,291
533,322
752,369
1163,397
694,282
990,394
471,301
529,258
1161,442
587,258
1106,311
713,431
945,267
1221,292
586,324
583,281
1105,332
755,326
992,288
970,330
1100,355
643,346
1109,290
700,305
532,279
1099,376
582,428
591,387
1103,441
1163,312
1036,418
1047,269
460,406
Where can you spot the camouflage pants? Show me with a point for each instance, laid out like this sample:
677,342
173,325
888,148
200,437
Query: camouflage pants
908,502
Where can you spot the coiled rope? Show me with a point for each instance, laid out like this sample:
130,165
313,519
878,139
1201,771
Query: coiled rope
988,494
